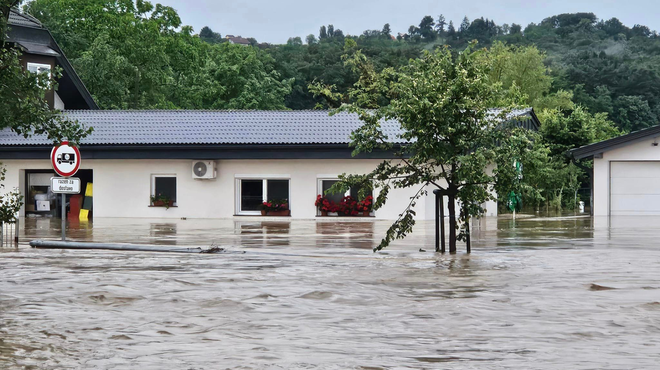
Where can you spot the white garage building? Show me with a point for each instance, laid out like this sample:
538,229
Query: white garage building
626,174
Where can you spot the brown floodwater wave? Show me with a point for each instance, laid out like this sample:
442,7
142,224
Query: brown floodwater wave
537,293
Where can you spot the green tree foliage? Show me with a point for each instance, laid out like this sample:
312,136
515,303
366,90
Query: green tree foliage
387,31
520,68
207,34
133,54
442,104
426,28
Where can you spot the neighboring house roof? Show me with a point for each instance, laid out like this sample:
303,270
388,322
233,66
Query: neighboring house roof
25,20
199,127
33,38
238,40
597,149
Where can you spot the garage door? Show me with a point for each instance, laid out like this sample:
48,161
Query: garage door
634,188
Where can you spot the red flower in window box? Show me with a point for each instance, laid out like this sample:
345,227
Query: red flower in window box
275,208
366,205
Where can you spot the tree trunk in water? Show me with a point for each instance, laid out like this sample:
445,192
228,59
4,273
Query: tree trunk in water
451,204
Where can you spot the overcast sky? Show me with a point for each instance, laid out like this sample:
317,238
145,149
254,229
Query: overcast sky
274,21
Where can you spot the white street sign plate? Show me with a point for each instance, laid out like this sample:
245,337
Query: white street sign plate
65,185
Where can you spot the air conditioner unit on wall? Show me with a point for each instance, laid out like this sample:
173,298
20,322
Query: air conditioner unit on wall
203,170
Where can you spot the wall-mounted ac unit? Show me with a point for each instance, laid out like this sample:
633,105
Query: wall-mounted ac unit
203,170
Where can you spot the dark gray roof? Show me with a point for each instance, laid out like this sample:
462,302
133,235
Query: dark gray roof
617,142
20,19
34,48
154,127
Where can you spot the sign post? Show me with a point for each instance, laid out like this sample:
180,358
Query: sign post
66,162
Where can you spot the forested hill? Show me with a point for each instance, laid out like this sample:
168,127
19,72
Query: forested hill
138,55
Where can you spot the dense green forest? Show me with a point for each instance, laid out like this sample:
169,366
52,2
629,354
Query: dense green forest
132,54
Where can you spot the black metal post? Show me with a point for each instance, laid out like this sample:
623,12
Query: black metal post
442,224
467,230
437,222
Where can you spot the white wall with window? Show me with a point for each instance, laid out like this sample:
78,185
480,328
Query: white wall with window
253,190
123,187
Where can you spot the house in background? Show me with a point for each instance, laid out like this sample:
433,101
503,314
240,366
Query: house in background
215,164
42,54
626,174
237,40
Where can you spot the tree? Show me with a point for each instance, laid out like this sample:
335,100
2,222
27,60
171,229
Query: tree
387,31
209,36
426,28
451,31
515,29
633,113
323,33
465,24
442,105
520,68
440,24
136,55
294,41
311,39
331,30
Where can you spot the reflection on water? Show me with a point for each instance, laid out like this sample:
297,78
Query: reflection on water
163,233
311,294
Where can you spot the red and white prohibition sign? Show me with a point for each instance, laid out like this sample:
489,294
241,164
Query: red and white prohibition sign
65,159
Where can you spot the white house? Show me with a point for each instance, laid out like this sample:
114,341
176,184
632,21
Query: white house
212,164
626,174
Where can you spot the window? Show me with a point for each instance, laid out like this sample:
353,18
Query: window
39,68
164,186
325,184
252,192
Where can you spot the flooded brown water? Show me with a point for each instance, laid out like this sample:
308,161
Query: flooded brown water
312,295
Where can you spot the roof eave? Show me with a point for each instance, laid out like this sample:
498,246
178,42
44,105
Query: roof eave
598,148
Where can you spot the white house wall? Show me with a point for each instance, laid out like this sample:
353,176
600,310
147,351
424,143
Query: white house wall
640,151
122,188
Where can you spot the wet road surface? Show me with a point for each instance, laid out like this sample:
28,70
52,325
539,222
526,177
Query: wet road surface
311,295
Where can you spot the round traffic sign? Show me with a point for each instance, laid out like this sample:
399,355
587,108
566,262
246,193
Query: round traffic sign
65,159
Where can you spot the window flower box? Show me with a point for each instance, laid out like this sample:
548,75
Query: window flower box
284,212
162,203
347,207
275,208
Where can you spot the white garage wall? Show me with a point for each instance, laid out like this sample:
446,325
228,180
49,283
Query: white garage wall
640,151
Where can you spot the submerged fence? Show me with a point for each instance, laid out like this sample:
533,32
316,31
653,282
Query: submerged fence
9,233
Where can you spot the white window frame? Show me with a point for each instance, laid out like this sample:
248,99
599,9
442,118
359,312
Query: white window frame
264,178
40,65
153,184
